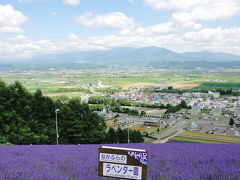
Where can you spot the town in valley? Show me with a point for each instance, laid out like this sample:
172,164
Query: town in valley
162,104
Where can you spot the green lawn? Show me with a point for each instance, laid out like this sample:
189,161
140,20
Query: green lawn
218,85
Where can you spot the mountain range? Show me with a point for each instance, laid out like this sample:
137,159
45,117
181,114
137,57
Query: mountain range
126,56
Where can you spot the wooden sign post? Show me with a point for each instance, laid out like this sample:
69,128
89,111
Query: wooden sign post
123,163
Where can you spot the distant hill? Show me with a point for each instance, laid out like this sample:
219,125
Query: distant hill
116,56
151,56
212,56
128,55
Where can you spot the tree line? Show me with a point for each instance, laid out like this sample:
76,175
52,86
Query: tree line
30,118
59,90
170,89
99,102
228,92
121,136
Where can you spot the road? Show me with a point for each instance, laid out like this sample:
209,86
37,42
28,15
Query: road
206,125
217,123
174,129
178,127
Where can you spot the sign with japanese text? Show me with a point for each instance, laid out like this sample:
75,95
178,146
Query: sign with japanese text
123,163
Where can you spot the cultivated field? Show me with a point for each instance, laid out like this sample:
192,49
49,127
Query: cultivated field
69,82
218,85
149,111
178,85
135,85
189,136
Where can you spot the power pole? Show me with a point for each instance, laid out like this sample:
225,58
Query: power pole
57,136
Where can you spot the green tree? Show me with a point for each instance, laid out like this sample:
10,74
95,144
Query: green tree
79,125
143,113
183,104
111,136
29,118
231,122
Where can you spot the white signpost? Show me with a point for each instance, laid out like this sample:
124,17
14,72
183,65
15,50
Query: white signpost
124,163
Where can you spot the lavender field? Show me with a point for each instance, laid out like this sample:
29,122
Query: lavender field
166,161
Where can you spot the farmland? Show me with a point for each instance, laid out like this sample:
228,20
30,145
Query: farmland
166,161
143,95
196,137
149,111
217,85
74,83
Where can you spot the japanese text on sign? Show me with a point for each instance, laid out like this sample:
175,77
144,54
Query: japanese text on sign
122,171
122,163
139,156
115,158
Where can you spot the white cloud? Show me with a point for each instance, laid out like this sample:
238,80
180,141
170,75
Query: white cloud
10,29
106,42
162,35
210,12
215,39
187,4
193,10
11,19
116,20
184,31
158,4
18,38
220,35
24,47
157,29
198,26
72,2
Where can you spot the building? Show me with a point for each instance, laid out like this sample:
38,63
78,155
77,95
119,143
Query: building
193,127
217,112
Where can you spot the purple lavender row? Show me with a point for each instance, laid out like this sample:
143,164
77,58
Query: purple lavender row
166,161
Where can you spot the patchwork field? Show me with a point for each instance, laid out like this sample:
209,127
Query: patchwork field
134,85
196,137
184,85
149,111
154,112
218,85
69,94
53,81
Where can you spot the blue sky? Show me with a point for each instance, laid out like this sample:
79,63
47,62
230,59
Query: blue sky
33,27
